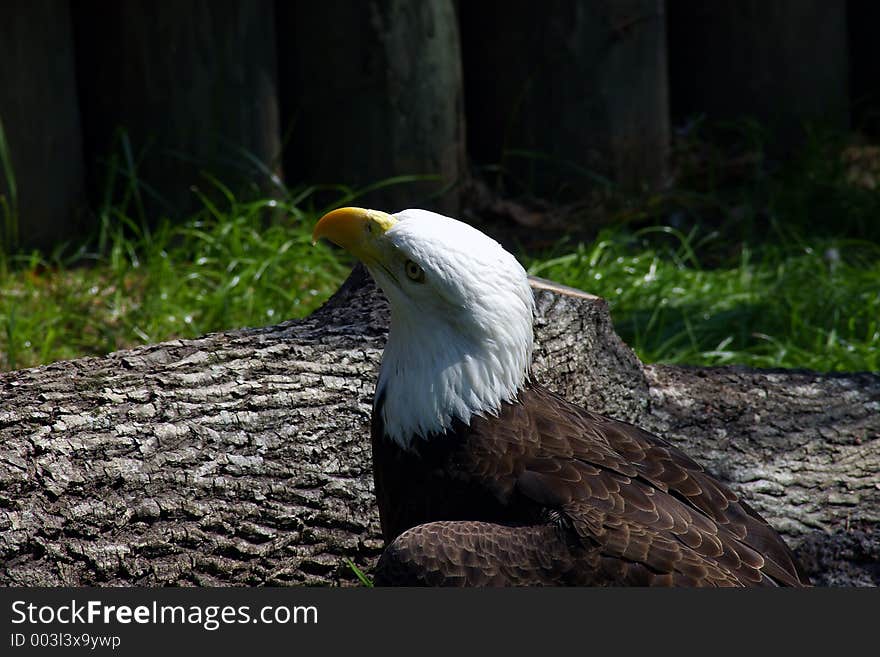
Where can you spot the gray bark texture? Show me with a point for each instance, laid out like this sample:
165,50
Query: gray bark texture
243,458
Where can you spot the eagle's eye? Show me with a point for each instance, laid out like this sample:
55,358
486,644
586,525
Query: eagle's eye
414,272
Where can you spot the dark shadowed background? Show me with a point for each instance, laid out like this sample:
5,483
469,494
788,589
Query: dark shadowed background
565,95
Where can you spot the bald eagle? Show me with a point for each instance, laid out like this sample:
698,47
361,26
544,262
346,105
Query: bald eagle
484,478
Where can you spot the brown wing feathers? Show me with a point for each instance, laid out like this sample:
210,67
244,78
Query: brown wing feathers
670,495
630,509
473,553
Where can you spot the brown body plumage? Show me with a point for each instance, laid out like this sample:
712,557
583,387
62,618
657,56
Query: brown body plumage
548,493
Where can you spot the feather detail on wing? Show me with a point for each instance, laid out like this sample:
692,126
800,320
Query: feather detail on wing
628,509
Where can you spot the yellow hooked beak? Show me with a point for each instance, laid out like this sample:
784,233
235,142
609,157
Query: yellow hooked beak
356,230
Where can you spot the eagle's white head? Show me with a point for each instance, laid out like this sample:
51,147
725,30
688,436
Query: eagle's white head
460,342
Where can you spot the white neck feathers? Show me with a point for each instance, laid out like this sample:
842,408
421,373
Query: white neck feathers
432,374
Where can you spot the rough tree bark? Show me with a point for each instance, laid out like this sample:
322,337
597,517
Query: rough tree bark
243,458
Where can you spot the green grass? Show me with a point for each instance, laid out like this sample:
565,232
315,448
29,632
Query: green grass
362,578
235,265
767,265
787,303
746,259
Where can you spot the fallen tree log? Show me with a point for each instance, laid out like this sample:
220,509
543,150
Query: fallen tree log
243,458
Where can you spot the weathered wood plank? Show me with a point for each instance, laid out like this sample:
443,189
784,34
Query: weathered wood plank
371,91
41,120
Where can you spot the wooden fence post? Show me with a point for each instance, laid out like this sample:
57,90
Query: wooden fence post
864,64
783,62
40,116
567,91
373,90
192,82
